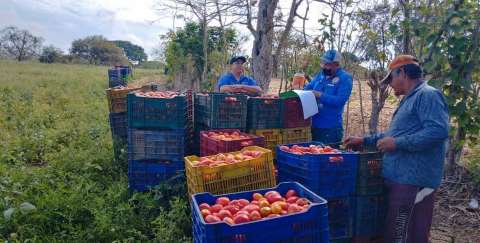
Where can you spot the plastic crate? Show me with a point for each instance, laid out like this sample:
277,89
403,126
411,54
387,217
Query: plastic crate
166,145
117,98
118,126
210,146
264,113
157,113
364,239
297,135
243,176
219,110
344,240
145,174
293,114
273,137
370,214
310,226
319,172
340,218
369,177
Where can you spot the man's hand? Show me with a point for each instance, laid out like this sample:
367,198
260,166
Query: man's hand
317,93
353,142
386,144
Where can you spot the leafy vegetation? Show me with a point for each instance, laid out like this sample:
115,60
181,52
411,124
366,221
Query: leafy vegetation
58,179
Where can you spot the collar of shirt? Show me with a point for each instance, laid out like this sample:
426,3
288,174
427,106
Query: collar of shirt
235,79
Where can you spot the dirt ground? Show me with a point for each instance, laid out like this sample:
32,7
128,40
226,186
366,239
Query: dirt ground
453,221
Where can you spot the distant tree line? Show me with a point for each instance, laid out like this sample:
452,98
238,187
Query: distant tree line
21,45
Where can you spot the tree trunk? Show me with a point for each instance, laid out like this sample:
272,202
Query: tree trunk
205,52
406,31
455,149
284,37
262,44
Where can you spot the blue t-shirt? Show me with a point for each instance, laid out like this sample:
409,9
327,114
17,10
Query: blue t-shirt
229,79
335,94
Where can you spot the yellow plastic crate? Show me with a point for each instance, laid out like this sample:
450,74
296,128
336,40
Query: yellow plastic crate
117,99
247,175
297,135
273,137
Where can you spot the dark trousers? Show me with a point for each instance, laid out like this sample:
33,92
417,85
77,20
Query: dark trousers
407,221
329,136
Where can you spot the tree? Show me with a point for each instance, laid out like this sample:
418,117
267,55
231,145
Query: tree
133,52
98,50
19,44
51,54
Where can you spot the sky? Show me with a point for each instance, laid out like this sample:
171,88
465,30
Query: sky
60,22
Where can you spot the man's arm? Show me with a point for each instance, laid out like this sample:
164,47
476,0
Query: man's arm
344,91
432,111
373,139
311,84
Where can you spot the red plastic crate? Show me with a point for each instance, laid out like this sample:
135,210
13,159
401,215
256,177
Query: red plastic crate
210,146
293,114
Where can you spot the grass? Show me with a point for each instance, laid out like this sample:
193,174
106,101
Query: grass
58,179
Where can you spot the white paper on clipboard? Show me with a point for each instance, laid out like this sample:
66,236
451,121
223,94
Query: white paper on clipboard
309,103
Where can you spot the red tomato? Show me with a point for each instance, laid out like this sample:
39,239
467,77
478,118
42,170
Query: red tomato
212,219
204,206
302,202
224,213
274,197
294,208
228,221
257,196
205,212
233,209
251,207
265,211
255,215
243,202
292,199
224,201
216,208
290,193
241,218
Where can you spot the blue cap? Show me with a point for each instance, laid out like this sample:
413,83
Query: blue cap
331,56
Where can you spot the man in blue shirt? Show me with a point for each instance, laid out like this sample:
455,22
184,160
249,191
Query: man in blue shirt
332,88
414,149
235,81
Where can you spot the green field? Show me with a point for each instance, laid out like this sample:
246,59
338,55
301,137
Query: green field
58,179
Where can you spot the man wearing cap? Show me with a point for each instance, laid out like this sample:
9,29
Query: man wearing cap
414,149
235,81
332,88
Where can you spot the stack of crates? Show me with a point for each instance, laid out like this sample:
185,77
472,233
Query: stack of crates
159,131
117,104
119,76
370,199
265,118
295,128
331,176
218,111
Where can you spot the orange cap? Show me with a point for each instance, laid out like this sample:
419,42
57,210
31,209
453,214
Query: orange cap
397,62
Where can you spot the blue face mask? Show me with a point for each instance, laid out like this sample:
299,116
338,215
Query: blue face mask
327,72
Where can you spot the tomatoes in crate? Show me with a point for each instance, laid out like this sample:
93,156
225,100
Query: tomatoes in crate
227,136
312,149
224,159
158,94
269,205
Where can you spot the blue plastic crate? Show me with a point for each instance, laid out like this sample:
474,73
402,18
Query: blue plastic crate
158,113
157,144
310,226
340,217
145,174
118,125
370,214
319,172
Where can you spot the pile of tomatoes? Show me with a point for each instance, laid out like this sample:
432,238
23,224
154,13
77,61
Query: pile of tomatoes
227,136
312,149
269,205
158,94
225,159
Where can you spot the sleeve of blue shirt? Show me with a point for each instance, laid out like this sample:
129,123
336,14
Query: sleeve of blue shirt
373,139
432,111
344,91
311,84
222,81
